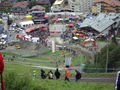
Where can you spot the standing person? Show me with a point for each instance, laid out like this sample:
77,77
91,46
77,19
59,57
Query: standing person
118,81
1,71
78,75
43,74
57,74
50,75
67,73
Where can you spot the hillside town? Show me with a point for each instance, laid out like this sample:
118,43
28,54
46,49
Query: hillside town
60,39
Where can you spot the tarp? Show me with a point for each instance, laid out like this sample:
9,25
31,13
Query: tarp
44,28
46,16
29,30
55,31
70,25
32,29
75,38
89,42
20,35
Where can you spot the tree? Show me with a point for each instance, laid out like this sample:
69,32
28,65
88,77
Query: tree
113,56
52,1
32,3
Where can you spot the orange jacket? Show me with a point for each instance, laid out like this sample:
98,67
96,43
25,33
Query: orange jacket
67,73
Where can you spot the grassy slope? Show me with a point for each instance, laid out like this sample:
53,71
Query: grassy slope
55,84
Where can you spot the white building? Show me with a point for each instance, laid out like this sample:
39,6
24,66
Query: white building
73,5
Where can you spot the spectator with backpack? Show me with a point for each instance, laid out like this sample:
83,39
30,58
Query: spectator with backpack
50,75
78,75
43,74
57,74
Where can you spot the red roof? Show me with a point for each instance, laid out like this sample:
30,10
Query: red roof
38,7
22,4
55,31
110,8
111,2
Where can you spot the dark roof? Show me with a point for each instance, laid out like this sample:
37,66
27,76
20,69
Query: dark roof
43,2
22,4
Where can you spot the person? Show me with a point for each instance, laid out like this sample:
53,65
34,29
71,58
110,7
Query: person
78,75
43,74
34,74
50,75
118,81
67,73
57,74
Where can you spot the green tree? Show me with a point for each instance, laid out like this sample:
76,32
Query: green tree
32,3
113,56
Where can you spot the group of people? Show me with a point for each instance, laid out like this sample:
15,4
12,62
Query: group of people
50,74
57,74
42,34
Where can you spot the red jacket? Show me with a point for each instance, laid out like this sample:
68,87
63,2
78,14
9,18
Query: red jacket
1,63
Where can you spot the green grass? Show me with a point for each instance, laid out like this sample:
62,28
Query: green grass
38,58
78,60
27,82
49,53
62,85
10,54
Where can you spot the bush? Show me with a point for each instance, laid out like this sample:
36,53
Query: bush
15,82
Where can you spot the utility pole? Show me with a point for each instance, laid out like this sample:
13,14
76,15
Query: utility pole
49,5
107,58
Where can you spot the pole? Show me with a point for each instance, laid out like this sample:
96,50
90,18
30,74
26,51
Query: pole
107,57
49,5
2,83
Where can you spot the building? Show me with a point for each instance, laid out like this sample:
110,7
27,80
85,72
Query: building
101,23
81,5
5,5
106,6
72,5
37,8
20,7
58,5
43,2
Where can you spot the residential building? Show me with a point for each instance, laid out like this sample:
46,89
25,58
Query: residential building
106,6
37,8
101,23
73,5
81,5
5,5
20,7
58,5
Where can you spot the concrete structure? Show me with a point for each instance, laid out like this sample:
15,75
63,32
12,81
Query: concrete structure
81,5
72,5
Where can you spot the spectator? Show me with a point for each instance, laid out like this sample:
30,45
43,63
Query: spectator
118,81
78,75
50,75
57,74
43,74
67,73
